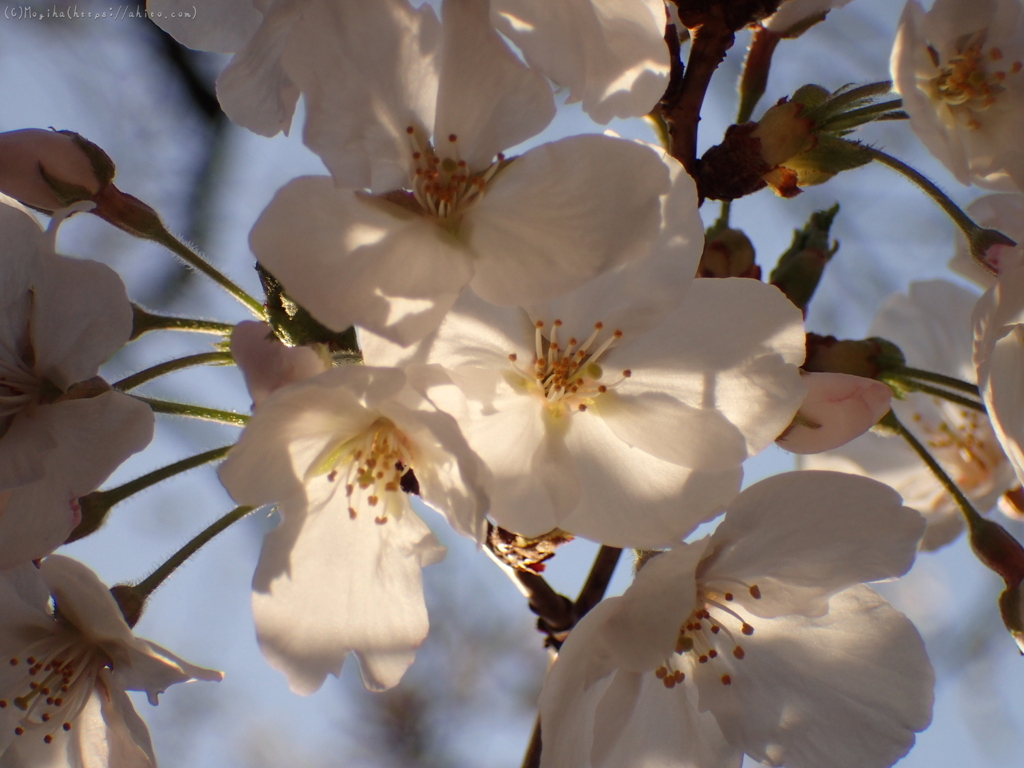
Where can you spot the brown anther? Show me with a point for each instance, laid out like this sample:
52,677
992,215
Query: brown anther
14,662
1016,67
349,489
713,653
726,680
48,738
58,701
755,592
703,659
352,513
31,660
669,682
66,726
3,704
392,487
372,501
581,407
746,629
452,137
380,520
617,334
539,324
45,718
598,325
332,476
627,373
513,357
715,629
738,652
18,731
602,389
409,129
660,673
996,54
33,686
728,596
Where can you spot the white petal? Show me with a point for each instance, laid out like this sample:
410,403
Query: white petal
637,295
362,89
846,690
327,585
562,213
352,260
803,536
151,668
611,55
839,408
793,12
85,601
889,460
630,498
224,26
254,90
80,316
641,632
93,436
267,364
707,356
109,733
486,96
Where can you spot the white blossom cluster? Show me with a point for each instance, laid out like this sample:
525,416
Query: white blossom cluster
543,349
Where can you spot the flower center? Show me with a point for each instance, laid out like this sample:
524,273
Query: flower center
567,378
57,675
370,467
709,633
969,79
443,186
965,446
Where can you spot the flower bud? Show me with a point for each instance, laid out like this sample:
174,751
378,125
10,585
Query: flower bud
728,253
800,268
49,170
837,409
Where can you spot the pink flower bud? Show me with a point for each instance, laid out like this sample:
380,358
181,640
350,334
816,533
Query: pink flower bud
838,408
27,154
267,364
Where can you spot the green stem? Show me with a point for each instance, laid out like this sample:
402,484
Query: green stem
938,378
145,321
130,382
97,504
968,510
187,255
979,240
194,411
945,394
145,587
722,222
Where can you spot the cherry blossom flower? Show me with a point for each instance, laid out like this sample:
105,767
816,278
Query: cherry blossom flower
341,573
620,412
62,430
610,55
62,694
838,408
760,639
999,358
958,69
931,326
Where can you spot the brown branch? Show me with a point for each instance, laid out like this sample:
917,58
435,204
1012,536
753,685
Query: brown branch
532,757
709,43
597,580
